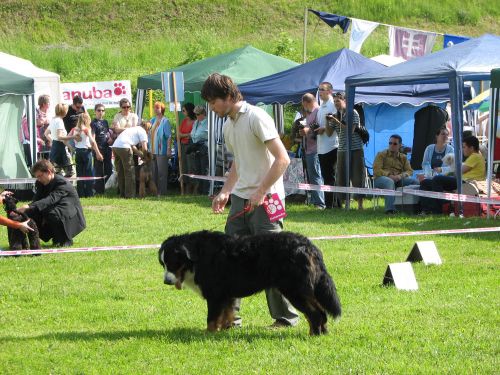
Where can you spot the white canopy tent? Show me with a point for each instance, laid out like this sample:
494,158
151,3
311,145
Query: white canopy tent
45,82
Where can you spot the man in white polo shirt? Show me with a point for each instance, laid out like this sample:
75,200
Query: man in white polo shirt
260,159
328,141
124,161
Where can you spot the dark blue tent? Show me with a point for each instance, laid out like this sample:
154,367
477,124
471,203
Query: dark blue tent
472,60
289,86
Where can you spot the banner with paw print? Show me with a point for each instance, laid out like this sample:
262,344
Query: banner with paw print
275,209
108,93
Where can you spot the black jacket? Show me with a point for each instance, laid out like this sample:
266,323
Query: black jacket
59,201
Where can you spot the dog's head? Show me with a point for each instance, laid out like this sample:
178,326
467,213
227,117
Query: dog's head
146,156
449,160
177,256
9,203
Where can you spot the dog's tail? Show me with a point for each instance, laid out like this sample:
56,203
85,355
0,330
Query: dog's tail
326,294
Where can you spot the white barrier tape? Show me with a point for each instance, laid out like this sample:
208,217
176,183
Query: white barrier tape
320,238
328,188
380,192
406,234
20,181
75,250
453,196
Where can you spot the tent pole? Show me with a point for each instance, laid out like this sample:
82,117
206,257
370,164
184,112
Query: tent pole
456,96
33,137
179,157
305,36
350,94
493,124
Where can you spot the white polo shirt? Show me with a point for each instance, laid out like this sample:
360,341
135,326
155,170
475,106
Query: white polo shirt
245,138
326,143
130,137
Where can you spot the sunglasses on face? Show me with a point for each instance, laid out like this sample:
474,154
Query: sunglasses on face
393,143
125,107
323,89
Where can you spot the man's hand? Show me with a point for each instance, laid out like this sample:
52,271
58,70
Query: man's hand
256,199
320,130
219,202
23,208
25,228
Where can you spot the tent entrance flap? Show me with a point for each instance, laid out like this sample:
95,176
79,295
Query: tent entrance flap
12,163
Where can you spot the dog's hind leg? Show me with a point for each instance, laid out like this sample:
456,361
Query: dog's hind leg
228,315
309,307
142,188
153,190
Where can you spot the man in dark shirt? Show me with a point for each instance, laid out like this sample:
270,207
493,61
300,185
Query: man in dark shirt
56,207
73,111
100,130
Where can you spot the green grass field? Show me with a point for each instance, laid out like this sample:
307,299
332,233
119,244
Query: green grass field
109,312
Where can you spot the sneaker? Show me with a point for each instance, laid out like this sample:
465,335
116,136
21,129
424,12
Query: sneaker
279,323
319,207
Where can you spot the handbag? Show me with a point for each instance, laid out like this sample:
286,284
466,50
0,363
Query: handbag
363,133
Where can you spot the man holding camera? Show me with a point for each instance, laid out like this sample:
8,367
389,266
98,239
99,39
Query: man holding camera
328,141
307,129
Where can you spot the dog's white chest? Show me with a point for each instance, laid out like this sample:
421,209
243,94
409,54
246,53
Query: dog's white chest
189,282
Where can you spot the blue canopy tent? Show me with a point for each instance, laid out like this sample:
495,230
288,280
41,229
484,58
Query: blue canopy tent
388,109
472,60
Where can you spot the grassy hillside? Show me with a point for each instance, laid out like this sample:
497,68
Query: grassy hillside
100,40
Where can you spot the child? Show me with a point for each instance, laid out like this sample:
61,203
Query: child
84,143
57,137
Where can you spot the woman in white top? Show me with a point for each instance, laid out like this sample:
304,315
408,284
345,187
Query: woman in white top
125,118
57,138
84,143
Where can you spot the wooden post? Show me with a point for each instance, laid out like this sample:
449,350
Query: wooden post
179,157
305,36
150,92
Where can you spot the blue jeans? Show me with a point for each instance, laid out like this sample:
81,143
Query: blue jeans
384,182
84,169
314,177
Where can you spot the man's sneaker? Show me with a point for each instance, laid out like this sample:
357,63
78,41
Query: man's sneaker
279,323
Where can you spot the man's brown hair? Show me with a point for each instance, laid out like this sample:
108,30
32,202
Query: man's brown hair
308,98
44,166
218,86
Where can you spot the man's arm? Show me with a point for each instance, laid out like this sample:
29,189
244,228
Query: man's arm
49,201
378,164
408,171
221,199
279,166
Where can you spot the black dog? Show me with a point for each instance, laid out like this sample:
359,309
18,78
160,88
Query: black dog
17,239
223,268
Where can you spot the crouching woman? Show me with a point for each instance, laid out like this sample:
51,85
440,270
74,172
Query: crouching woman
56,207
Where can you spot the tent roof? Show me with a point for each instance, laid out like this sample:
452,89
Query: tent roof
472,60
13,83
242,65
23,67
387,60
289,86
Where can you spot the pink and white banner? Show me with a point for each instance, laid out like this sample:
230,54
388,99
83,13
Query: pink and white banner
408,44
108,93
